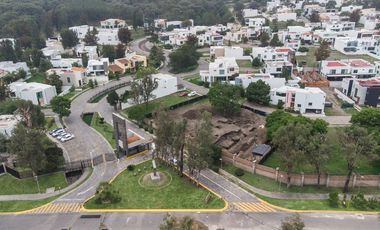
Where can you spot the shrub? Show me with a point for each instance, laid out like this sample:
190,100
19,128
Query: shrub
303,49
280,104
359,202
206,84
333,199
168,46
214,168
239,172
131,167
346,105
106,194
101,120
373,203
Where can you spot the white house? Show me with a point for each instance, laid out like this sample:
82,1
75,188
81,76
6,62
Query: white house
90,51
272,54
108,37
363,91
339,26
81,31
10,67
167,84
350,8
255,22
277,68
113,23
76,76
64,63
228,51
286,16
250,13
245,79
7,123
211,38
222,69
307,100
352,45
338,70
39,94
97,67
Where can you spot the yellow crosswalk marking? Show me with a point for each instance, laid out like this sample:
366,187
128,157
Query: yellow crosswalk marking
254,207
57,208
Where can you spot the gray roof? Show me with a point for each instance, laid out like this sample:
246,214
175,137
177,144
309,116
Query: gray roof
261,149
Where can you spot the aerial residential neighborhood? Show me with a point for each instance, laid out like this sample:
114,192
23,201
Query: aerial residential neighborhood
165,114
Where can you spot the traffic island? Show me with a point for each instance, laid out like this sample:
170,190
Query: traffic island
139,192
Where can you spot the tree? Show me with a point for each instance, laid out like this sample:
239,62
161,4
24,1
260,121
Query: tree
290,141
179,140
3,143
184,59
163,135
192,41
225,98
91,39
258,92
54,80
315,17
69,38
356,144
318,153
61,106
120,50
124,35
156,56
31,114
45,65
355,16
109,52
331,4
275,41
256,62
293,222
113,99
27,144
84,59
3,90
7,52
200,146
323,52
91,83
147,83
264,39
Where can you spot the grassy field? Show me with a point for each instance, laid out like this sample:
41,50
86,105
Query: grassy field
180,193
105,129
271,185
308,204
335,166
69,95
136,34
334,55
22,205
11,185
38,77
195,79
244,63
136,111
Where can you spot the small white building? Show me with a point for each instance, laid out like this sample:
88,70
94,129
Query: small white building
222,69
272,54
277,68
250,13
81,31
350,8
108,37
64,63
10,67
8,123
307,100
71,77
287,16
167,84
39,94
98,67
352,45
113,23
335,70
228,51
255,22
245,79
90,51
363,91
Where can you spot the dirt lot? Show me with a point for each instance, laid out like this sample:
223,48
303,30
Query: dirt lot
236,134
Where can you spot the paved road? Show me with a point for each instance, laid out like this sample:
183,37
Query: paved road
149,221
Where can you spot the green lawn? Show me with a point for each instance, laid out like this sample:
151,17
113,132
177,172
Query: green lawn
69,95
50,123
180,193
308,204
99,97
38,77
335,166
11,185
268,184
195,79
334,55
137,111
105,129
244,63
22,205
136,34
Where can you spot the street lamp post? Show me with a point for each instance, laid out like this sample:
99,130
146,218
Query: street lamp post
38,185
221,162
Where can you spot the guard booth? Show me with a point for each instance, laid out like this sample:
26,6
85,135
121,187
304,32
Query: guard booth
127,142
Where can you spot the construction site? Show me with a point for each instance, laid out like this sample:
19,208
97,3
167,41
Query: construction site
236,135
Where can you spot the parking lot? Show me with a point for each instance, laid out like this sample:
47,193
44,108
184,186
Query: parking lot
61,135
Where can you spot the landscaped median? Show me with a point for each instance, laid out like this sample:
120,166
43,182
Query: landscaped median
106,130
134,191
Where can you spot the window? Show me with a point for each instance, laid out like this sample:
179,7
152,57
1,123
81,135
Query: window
333,71
298,105
370,71
310,103
274,57
356,92
221,72
355,71
278,69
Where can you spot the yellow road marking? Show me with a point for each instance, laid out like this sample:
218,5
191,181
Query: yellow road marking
57,208
254,207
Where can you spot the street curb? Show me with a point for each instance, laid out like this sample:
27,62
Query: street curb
83,209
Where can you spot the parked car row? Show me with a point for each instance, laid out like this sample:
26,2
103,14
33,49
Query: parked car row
61,134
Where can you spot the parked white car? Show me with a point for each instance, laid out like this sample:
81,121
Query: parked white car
67,138
58,133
